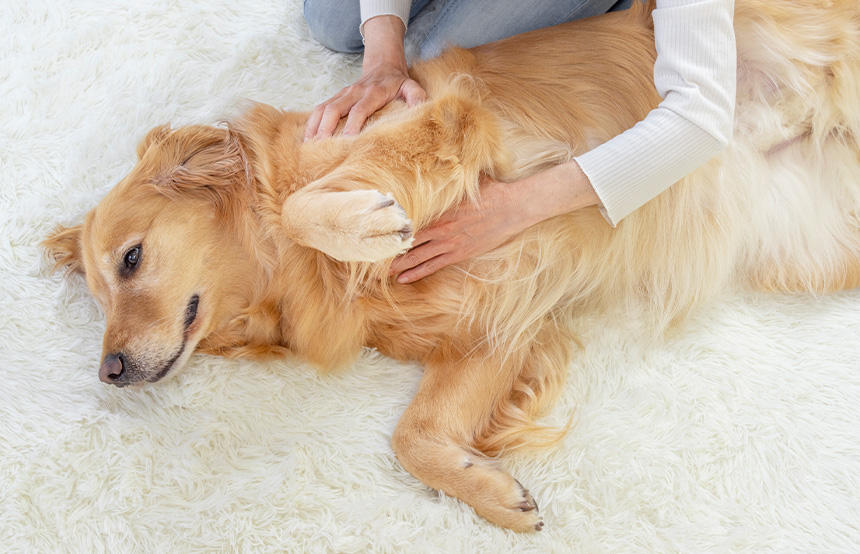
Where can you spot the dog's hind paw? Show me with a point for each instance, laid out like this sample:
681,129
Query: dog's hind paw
528,504
500,498
528,518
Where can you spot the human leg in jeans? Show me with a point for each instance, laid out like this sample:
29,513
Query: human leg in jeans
433,25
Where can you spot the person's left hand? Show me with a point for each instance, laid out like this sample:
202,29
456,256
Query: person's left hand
504,210
463,232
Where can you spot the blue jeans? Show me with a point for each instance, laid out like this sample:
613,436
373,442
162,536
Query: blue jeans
435,24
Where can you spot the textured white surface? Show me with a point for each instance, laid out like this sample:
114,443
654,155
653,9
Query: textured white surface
741,432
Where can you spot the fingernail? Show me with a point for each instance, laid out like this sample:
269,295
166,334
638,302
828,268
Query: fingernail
403,279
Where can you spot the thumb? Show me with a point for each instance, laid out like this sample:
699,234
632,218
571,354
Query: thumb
412,92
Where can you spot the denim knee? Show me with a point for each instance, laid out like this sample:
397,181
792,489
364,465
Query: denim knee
622,5
334,24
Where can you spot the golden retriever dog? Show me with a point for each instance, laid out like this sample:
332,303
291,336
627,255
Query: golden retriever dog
248,241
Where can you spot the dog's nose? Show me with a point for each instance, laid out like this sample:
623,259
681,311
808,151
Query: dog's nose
112,368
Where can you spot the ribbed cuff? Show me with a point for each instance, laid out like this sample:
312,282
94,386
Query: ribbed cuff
637,165
373,8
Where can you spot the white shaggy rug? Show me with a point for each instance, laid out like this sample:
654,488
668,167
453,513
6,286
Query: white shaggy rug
739,433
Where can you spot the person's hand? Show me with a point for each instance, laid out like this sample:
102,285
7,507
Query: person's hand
462,232
384,78
504,210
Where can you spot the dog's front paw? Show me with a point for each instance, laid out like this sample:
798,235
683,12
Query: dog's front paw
381,229
350,226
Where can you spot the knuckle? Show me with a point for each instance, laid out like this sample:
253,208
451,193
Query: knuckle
362,113
434,264
449,243
410,259
379,92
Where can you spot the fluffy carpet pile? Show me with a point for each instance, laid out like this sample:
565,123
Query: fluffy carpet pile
741,432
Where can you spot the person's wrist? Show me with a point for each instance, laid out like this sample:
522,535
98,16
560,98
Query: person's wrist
578,192
558,190
514,202
383,43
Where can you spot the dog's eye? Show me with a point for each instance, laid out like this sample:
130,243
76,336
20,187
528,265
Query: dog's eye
132,257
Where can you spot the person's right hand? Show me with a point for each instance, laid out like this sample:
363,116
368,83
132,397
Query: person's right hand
384,78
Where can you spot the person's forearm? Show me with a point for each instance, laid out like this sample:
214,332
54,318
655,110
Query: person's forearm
383,43
695,73
555,191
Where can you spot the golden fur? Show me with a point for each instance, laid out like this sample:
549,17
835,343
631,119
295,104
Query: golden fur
288,243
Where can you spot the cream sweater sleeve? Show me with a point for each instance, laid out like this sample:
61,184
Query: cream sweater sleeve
372,8
695,76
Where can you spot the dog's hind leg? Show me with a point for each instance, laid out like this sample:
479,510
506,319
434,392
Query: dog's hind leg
432,440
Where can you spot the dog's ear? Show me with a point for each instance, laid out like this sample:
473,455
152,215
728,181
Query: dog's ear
203,161
64,246
156,134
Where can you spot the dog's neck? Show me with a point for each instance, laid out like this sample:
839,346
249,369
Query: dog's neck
269,315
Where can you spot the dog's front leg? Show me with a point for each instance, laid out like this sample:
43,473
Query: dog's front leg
429,161
432,440
359,225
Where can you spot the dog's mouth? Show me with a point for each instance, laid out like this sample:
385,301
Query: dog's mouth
169,365
191,312
190,317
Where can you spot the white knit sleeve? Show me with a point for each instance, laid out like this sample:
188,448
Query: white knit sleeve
695,75
373,8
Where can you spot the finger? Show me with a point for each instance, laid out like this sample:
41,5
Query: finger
313,123
432,233
416,256
334,109
331,117
429,267
362,109
412,93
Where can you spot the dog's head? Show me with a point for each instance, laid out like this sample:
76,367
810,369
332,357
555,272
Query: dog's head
158,253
